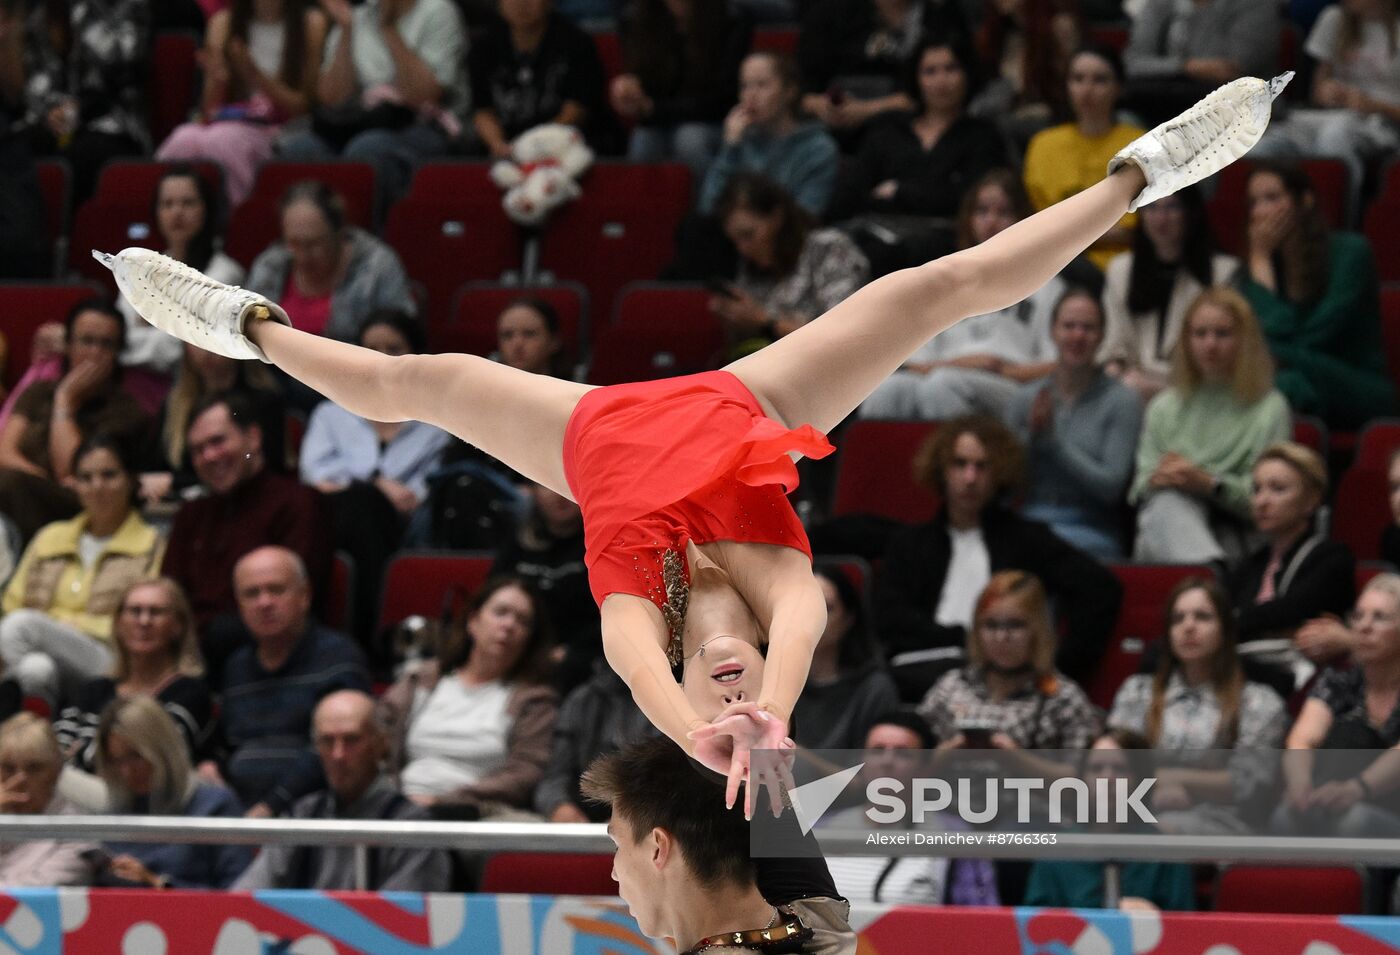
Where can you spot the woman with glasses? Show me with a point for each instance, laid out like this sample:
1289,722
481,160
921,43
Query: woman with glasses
56,633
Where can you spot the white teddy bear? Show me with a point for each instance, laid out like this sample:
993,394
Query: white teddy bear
541,174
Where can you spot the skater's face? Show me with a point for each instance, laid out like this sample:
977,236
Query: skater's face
133,770
147,623
942,82
753,234
179,210
315,247
501,629
273,596
991,213
1213,341
104,487
1093,87
1282,501
1376,623
1164,221
1394,478
968,479
1078,331
224,455
525,341
762,93
725,670
1195,632
637,865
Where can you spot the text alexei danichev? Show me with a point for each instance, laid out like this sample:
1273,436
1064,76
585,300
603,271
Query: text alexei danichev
960,839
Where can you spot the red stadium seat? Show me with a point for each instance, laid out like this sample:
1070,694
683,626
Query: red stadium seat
781,40
1311,432
23,308
621,229
1378,224
548,873
421,583
1361,509
340,594
1378,440
609,46
1112,35
1229,209
875,473
663,350
56,183
171,91
1145,591
254,226
472,325
1291,890
1390,324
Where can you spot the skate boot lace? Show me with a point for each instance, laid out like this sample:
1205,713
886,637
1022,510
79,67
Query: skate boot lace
174,286
1192,135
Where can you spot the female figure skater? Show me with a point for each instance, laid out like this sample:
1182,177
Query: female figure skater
694,555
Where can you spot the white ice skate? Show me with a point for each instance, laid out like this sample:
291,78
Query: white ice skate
1203,140
188,304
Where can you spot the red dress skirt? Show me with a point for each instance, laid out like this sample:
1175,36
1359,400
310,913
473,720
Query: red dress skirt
656,464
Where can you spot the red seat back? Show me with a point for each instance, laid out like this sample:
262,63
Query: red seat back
780,40
609,46
1378,224
1291,890
1311,432
56,183
1229,210
23,308
1361,510
875,473
626,353
549,873
254,224
419,583
172,90
340,592
1390,321
1377,442
472,325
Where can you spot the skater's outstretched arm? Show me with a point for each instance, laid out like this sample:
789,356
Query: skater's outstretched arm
632,635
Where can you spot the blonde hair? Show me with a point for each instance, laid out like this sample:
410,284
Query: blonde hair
1301,458
1388,584
1028,591
152,733
188,389
188,660
26,734
1253,374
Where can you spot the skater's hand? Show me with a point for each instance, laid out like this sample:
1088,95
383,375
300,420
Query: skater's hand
1042,420
749,728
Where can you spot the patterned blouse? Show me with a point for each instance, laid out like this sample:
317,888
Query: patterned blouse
829,269
1344,693
1052,714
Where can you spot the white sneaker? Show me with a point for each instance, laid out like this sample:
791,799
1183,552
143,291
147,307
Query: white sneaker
188,304
1203,140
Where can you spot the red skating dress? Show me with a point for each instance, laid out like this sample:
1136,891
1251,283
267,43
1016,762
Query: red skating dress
656,464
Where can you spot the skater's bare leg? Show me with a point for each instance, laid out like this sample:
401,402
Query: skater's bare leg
514,416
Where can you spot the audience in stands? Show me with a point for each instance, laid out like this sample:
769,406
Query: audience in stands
790,271
1290,594
1390,536
262,63
977,365
1010,691
1179,52
26,250
185,210
680,62
765,133
52,417
143,759
532,66
472,729
273,682
246,507
1202,435
1025,47
934,572
847,685
1069,158
59,606
157,655
1148,289
30,762
1318,301
351,741
896,747
527,337
392,89
202,373
46,352
327,274
1080,429
80,71
1198,699
1142,886
596,718
1356,710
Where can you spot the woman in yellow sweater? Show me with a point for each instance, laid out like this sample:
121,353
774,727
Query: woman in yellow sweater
1067,159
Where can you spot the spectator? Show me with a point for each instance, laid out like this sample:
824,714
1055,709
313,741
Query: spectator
56,633
51,418
1144,886
185,210
1390,536
1080,428
680,63
852,54
597,717
247,507
1290,595
790,271
1198,700
933,572
1356,709
897,747
1010,686
533,66
547,552
157,655
203,373
30,762
273,683
261,65
46,353
328,275
1026,46
1178,52
1317,299
527,337
144,761
1069,158
1148,288
1201,436
80,71
977,365
765,134
392,89
472,729
847,686
351,741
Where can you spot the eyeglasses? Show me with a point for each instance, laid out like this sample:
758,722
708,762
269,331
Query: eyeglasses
137,611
